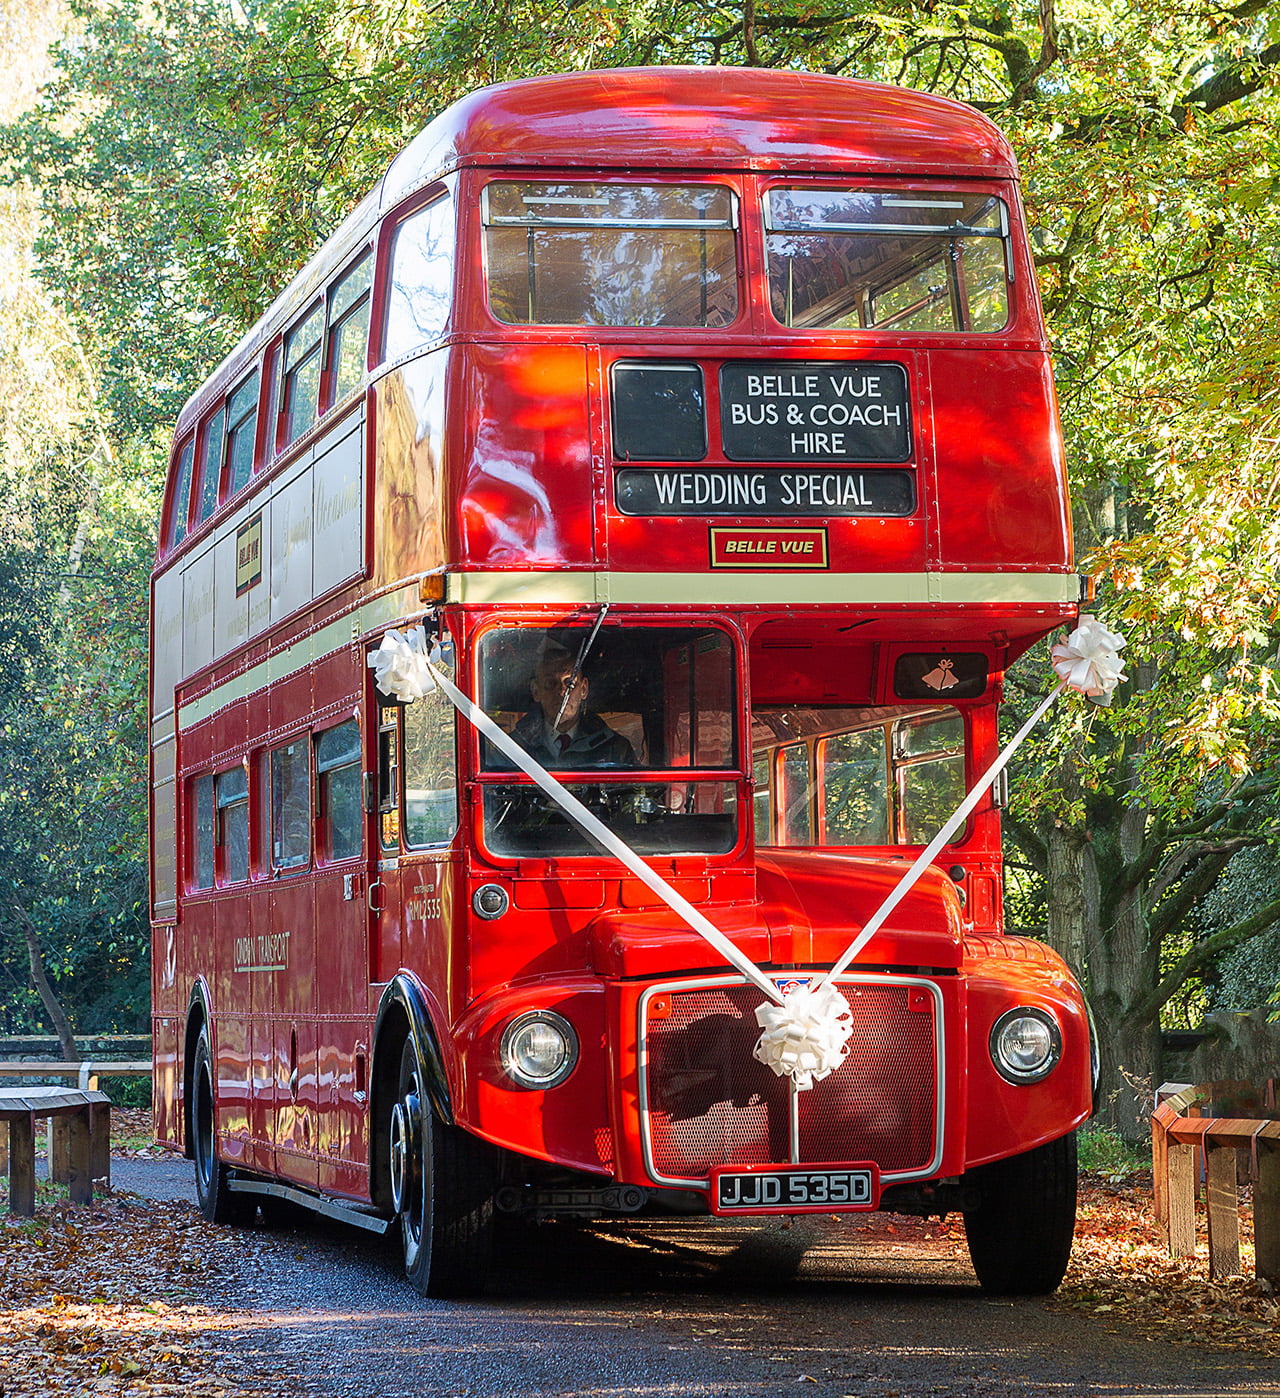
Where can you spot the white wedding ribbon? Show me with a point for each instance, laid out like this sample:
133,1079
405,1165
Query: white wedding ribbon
805,1033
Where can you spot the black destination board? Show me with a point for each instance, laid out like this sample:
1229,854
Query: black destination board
791,411
831,492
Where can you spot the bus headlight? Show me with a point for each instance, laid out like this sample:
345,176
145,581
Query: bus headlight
1025,1045
539,1049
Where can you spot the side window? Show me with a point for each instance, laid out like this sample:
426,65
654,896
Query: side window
929,762
763,803
430,777
290,806
242,430
211,462
181,495
271,386
853,775
301,403
389,776
233,824
338,772
421,281
795,797
202,831
349,329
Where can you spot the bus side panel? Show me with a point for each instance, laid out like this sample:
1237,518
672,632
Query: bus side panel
292,942
166,1036
1000,481
408,455
226,915
520,482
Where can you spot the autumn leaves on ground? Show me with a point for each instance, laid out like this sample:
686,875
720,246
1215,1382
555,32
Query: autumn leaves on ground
112,1299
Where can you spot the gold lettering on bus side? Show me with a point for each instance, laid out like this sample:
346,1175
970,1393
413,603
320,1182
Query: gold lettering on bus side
265,951
424,904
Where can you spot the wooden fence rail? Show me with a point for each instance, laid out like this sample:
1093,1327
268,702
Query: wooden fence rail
1183,1140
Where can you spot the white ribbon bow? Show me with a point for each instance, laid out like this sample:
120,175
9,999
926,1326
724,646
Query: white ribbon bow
1088,660
400,665
805,1038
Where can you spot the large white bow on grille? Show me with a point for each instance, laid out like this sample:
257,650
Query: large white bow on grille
806,1038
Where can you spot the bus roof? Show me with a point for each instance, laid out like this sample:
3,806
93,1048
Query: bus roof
705,118
672,118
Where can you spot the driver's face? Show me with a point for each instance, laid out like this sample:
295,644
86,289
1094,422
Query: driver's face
549,687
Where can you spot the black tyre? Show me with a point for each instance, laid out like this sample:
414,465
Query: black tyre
442,1188
213,1192
1020,1234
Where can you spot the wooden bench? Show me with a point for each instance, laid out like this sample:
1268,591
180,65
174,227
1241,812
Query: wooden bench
1180,1134
86,1073
88,1115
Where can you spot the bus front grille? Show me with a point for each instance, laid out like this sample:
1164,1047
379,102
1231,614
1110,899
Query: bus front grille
708,1102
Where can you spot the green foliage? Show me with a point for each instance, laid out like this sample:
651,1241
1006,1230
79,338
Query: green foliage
1104,1152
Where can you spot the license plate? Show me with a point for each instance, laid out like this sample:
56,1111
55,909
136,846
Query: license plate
794,1190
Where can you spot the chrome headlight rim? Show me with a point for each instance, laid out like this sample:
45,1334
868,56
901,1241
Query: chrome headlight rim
508,1051
1012,1072
490,901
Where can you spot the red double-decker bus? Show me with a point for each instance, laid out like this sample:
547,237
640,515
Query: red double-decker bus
703,420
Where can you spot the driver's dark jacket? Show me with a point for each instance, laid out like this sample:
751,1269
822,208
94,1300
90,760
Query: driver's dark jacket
593,744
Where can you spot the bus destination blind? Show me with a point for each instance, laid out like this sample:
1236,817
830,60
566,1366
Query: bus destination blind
763,490
852,411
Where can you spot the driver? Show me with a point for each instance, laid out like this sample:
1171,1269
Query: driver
558,731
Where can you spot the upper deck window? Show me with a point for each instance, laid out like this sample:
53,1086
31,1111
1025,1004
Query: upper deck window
611,254
923,262
181,494
349,329
302,375
211,462
242,430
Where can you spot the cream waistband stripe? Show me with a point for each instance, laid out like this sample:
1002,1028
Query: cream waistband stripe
728,589
723,589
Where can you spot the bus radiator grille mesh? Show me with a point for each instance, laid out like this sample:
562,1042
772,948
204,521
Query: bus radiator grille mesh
711,1103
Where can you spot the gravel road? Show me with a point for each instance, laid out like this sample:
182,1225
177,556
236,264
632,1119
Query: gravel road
818,1310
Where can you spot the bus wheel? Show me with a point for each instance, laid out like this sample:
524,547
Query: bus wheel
442,1187
1020,1234
213,1192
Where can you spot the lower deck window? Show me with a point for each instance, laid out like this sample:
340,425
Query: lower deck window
341,810
233,824
290,806
852,777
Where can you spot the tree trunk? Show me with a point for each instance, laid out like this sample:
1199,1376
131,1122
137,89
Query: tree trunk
1100,929
52,1006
